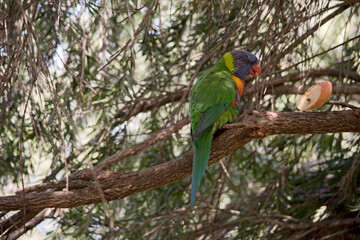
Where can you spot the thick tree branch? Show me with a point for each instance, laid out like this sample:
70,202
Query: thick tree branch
277,89
119,185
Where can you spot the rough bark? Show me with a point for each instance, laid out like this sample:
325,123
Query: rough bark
119,185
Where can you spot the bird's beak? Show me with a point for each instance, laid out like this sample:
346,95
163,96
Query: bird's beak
255,70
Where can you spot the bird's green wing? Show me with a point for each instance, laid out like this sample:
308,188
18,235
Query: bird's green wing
210,96
209,117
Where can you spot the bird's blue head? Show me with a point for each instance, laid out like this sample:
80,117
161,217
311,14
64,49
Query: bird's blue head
242,63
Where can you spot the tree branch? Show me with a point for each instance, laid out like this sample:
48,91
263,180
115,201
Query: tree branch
256,125
347,89
30,224
147,104
17,221
309,32
144,105
161,135
293,77
343,104
351,1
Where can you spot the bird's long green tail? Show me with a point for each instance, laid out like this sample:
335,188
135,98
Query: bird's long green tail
202,147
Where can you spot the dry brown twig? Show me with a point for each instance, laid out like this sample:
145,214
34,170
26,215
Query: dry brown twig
342,104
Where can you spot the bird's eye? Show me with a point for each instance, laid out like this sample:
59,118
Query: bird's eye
246,62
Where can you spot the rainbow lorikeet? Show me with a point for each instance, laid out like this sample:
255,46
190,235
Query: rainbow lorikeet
214,100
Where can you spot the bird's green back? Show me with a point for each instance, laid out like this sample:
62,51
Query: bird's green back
213,92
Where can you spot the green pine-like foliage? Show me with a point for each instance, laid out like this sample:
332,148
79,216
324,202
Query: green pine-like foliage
83,80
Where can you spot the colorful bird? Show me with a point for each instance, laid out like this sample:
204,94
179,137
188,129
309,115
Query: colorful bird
213,102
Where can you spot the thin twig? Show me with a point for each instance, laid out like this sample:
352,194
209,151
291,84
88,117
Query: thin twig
343,104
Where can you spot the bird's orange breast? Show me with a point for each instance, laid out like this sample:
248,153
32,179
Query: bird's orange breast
239,83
